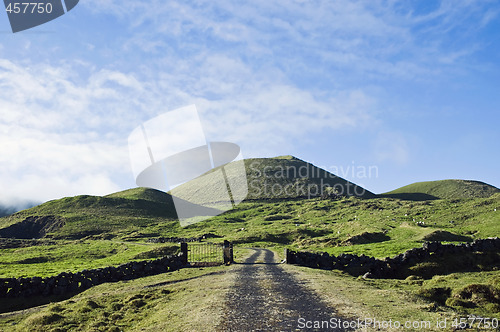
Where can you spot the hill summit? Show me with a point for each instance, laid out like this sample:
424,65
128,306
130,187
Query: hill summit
281,177
444,189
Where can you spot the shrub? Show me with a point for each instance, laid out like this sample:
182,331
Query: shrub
480,294
435,294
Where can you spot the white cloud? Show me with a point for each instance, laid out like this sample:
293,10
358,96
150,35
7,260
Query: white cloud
60,137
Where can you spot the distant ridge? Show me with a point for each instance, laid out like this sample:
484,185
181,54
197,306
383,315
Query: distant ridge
7,210
443,189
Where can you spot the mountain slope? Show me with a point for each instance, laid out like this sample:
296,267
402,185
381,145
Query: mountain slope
444,189
271,178
85,215
290,177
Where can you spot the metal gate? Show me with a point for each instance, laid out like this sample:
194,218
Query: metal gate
207,254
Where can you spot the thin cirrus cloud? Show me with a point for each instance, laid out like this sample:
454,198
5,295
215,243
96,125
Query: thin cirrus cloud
337,33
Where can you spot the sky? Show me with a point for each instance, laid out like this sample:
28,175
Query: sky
383,93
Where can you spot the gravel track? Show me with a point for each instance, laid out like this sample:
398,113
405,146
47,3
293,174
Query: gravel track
267,298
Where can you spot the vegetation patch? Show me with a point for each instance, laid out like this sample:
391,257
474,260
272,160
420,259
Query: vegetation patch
46,318
74,256
33,227
366,237
445,236
159,252
450,263
435,294
446,189
277,217
480,294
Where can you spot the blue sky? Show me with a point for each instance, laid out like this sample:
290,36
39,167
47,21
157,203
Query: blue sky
408,87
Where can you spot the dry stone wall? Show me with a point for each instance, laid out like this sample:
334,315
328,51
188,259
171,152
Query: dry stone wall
388,267
67,282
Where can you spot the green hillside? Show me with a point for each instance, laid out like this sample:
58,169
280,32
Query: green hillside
282,177
444,189
143,213
81,216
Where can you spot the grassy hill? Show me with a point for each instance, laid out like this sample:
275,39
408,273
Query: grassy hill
444,189
383,224
282,177
119,213
145,194
290,177
379,226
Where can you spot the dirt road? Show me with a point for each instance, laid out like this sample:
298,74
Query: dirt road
267,298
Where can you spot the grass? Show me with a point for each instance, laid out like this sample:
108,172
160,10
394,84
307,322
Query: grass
383,300
184,300
411,300
325,225
190,299
468,293
74,256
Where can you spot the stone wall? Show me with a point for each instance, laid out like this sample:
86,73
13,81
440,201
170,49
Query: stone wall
388,267
67,282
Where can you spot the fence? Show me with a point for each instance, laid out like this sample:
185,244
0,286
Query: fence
72,283
397,266
207,254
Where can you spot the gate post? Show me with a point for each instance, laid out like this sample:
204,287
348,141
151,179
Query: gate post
227,250
288,256
184,253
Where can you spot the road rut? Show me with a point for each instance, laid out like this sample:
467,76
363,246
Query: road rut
265,297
